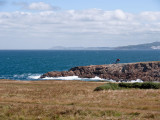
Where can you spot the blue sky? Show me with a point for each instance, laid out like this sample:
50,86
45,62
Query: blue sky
133,6
42,24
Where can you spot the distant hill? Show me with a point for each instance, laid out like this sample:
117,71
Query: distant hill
147,46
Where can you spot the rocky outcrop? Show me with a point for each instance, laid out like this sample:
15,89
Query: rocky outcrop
146,71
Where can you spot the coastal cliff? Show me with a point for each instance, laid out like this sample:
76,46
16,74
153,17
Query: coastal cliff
146,71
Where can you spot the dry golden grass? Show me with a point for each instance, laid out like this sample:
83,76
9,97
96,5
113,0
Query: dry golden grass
75,100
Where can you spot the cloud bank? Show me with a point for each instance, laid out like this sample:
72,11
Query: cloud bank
93,27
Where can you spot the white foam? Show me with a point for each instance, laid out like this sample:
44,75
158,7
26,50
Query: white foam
26,76
29,76
62,78
35,76
19,76
77,78
138,80
87,79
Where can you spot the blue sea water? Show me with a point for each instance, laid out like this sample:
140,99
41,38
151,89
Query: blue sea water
29,64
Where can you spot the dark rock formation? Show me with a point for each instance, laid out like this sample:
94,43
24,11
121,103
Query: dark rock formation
146,71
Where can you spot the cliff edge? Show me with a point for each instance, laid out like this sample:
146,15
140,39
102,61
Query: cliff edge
146,71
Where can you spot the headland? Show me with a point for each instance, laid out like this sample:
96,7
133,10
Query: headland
146,71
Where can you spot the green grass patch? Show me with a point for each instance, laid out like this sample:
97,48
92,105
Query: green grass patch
115,86
145,85
108,86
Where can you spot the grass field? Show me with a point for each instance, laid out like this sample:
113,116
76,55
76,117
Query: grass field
75,100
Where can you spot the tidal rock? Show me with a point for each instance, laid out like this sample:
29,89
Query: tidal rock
146,71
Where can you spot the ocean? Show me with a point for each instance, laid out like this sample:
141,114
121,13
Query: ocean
30,64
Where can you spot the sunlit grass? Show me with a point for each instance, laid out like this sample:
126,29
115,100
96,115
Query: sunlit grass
75,100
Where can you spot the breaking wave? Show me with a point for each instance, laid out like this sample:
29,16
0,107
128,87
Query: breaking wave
138,80
25,76
31,77
34,76
88,79
77,78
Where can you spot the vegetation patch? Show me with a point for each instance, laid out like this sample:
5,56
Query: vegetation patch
115,86
145,85
108,86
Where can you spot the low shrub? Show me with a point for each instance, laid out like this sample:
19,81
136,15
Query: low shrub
136,85
108,86
150,85
130,85
115,86
145,85
125,85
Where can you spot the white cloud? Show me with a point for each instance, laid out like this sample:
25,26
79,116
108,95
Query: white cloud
150,16
120,14
92,27
40,6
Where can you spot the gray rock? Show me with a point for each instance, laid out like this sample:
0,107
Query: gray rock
146,71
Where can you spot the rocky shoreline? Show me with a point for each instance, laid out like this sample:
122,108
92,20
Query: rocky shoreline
146,71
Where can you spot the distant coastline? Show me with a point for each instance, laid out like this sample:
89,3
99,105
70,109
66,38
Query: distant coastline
147,46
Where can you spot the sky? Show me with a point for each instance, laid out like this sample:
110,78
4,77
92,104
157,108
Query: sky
43,24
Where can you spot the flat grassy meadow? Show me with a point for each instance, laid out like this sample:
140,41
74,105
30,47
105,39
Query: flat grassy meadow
75,100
